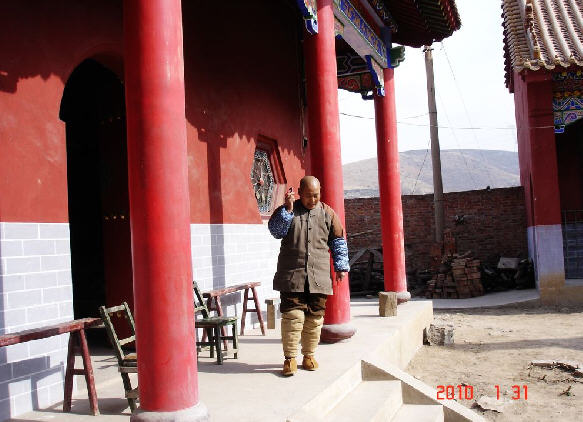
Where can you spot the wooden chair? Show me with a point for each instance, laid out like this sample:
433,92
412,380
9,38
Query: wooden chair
213,325
127,362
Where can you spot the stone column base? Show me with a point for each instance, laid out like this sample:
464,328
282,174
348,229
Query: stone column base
197,413
403,297
332,333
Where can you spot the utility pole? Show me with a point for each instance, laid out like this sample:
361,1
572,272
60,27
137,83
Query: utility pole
435,152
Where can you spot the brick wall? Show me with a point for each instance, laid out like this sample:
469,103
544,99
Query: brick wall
494,223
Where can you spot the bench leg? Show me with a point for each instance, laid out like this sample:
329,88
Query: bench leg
87,371
69,374
244,314
258,310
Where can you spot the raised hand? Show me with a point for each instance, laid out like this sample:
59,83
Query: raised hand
289,200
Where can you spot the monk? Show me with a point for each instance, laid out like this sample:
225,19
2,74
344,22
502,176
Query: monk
309,229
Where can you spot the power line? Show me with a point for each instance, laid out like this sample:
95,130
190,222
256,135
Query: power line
420,169
465,128
372,118
441,127
465,108
457,141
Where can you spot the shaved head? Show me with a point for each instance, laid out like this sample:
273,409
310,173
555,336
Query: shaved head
309,181
309,192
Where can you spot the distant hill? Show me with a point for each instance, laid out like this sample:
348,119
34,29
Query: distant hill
463,169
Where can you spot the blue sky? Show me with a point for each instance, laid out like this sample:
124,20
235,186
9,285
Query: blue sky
475,110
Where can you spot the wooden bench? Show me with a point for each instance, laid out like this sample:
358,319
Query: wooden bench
77,344
213,298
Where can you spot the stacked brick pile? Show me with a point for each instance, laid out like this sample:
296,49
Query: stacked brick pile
461,280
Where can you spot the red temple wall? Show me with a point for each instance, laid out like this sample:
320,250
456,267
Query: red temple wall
41,46
240,84
536,147
242,77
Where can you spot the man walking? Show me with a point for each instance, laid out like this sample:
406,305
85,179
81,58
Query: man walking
309,229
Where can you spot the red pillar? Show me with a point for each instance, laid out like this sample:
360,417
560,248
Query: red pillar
390,190
533,94
159,211
326,163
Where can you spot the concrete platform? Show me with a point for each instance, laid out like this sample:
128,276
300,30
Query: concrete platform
251,387
488,300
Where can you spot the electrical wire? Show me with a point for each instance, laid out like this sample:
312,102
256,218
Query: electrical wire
465,108
420,168
372,118
442,127
457,141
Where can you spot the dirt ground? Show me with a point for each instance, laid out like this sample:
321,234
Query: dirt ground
494,347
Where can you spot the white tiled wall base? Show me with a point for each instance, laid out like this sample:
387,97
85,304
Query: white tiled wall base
545,248
35,290
228,254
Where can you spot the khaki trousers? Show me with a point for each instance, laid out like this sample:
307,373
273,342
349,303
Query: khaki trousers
301,321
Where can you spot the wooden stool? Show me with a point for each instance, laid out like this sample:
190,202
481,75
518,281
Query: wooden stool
272,312
257,308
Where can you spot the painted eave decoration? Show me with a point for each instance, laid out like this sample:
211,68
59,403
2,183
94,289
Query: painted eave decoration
567,98
542,34
421,22
371,27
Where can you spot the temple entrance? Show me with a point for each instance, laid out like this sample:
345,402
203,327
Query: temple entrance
570,159
93,108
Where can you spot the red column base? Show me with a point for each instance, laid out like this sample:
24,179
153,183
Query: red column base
197,413
333,333
403,297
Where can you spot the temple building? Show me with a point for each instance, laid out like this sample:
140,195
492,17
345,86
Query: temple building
543,50
143,144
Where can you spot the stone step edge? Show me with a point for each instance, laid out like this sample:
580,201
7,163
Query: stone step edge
417,392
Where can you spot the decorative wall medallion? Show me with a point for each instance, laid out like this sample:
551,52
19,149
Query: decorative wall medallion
309,10
262,181
567,98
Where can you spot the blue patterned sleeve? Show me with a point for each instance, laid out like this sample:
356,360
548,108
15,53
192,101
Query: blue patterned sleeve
339,250
280,222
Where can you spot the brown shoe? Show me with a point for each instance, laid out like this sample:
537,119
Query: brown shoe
290,367
309,363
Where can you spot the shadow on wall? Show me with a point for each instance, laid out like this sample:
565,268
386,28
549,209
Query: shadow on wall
232,99
37,46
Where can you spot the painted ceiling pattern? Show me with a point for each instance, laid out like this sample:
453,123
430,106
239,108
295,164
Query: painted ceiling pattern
542,34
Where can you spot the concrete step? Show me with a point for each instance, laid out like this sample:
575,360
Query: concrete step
419,413
369,401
